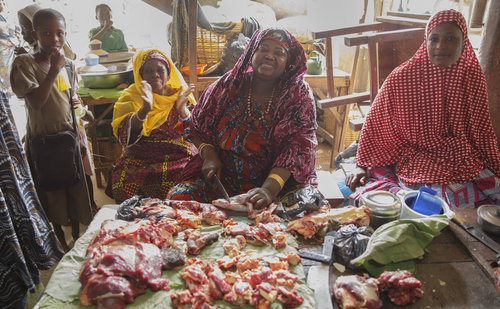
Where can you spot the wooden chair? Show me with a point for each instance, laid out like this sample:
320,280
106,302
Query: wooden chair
390,43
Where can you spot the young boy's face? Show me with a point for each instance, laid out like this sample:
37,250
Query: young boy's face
103,15
26,28
51,35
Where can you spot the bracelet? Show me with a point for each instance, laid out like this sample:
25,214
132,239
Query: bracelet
278,179
141,120
203,145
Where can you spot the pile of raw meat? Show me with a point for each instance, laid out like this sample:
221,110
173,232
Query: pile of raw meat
353,292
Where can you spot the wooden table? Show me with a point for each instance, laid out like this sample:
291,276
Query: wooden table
451,276
103,161
454,274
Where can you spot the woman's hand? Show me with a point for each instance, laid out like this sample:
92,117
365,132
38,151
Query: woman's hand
355,177
260,197
211,163
182,102
147,97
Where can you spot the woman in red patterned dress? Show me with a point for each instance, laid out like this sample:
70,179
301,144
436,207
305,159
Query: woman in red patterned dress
255,126
154,153
430,124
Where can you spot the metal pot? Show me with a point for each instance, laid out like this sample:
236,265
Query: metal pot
383,207
107,80
488,218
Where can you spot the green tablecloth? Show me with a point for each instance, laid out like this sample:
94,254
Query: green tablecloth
99,93
63,289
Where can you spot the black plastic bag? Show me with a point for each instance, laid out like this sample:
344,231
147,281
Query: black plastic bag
309,199
126,209
350,242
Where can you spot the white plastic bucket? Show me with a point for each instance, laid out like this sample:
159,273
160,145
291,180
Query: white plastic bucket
408,213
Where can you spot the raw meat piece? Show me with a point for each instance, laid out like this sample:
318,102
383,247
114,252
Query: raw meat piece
289,298
233,246
309,225
109,292
235,203
173,257
188,219
196,240
353,292
193,206
181,299
211,215
401,287
139,264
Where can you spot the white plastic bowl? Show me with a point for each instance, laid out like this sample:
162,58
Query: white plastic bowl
408,213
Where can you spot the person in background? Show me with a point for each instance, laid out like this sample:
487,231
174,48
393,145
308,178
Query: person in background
430,124
154,153
255,127
42,80
25,16
112,38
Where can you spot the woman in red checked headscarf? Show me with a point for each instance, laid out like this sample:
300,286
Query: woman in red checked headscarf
430,123
255,126
154,153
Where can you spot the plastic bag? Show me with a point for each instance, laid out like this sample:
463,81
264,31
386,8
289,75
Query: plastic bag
309,199
126,209
350,242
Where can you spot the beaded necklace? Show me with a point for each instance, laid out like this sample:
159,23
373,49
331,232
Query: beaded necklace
249,104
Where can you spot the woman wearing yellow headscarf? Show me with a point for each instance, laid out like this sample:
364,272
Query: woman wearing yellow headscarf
154,153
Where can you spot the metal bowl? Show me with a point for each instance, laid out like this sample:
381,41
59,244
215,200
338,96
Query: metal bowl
107,80
488,218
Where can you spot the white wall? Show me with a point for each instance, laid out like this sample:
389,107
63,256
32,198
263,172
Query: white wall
143,25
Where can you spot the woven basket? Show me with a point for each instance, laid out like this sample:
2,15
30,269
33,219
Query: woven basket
350,135
210,45
109,149
308,48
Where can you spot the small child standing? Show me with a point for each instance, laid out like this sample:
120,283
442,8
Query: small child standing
42,80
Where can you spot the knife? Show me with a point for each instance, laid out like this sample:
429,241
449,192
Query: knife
318,278
221,187
490,243
326,256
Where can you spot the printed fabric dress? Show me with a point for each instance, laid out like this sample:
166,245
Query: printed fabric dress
430,126
152,165
28,242
249,149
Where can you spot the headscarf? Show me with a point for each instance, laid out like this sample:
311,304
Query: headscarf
294,118
30,10
131,99
433,122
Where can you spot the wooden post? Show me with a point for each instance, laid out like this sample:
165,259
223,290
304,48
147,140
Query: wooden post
192,24
478,13
490,62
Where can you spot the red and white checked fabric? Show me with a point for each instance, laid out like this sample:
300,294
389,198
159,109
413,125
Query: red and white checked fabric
433,122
